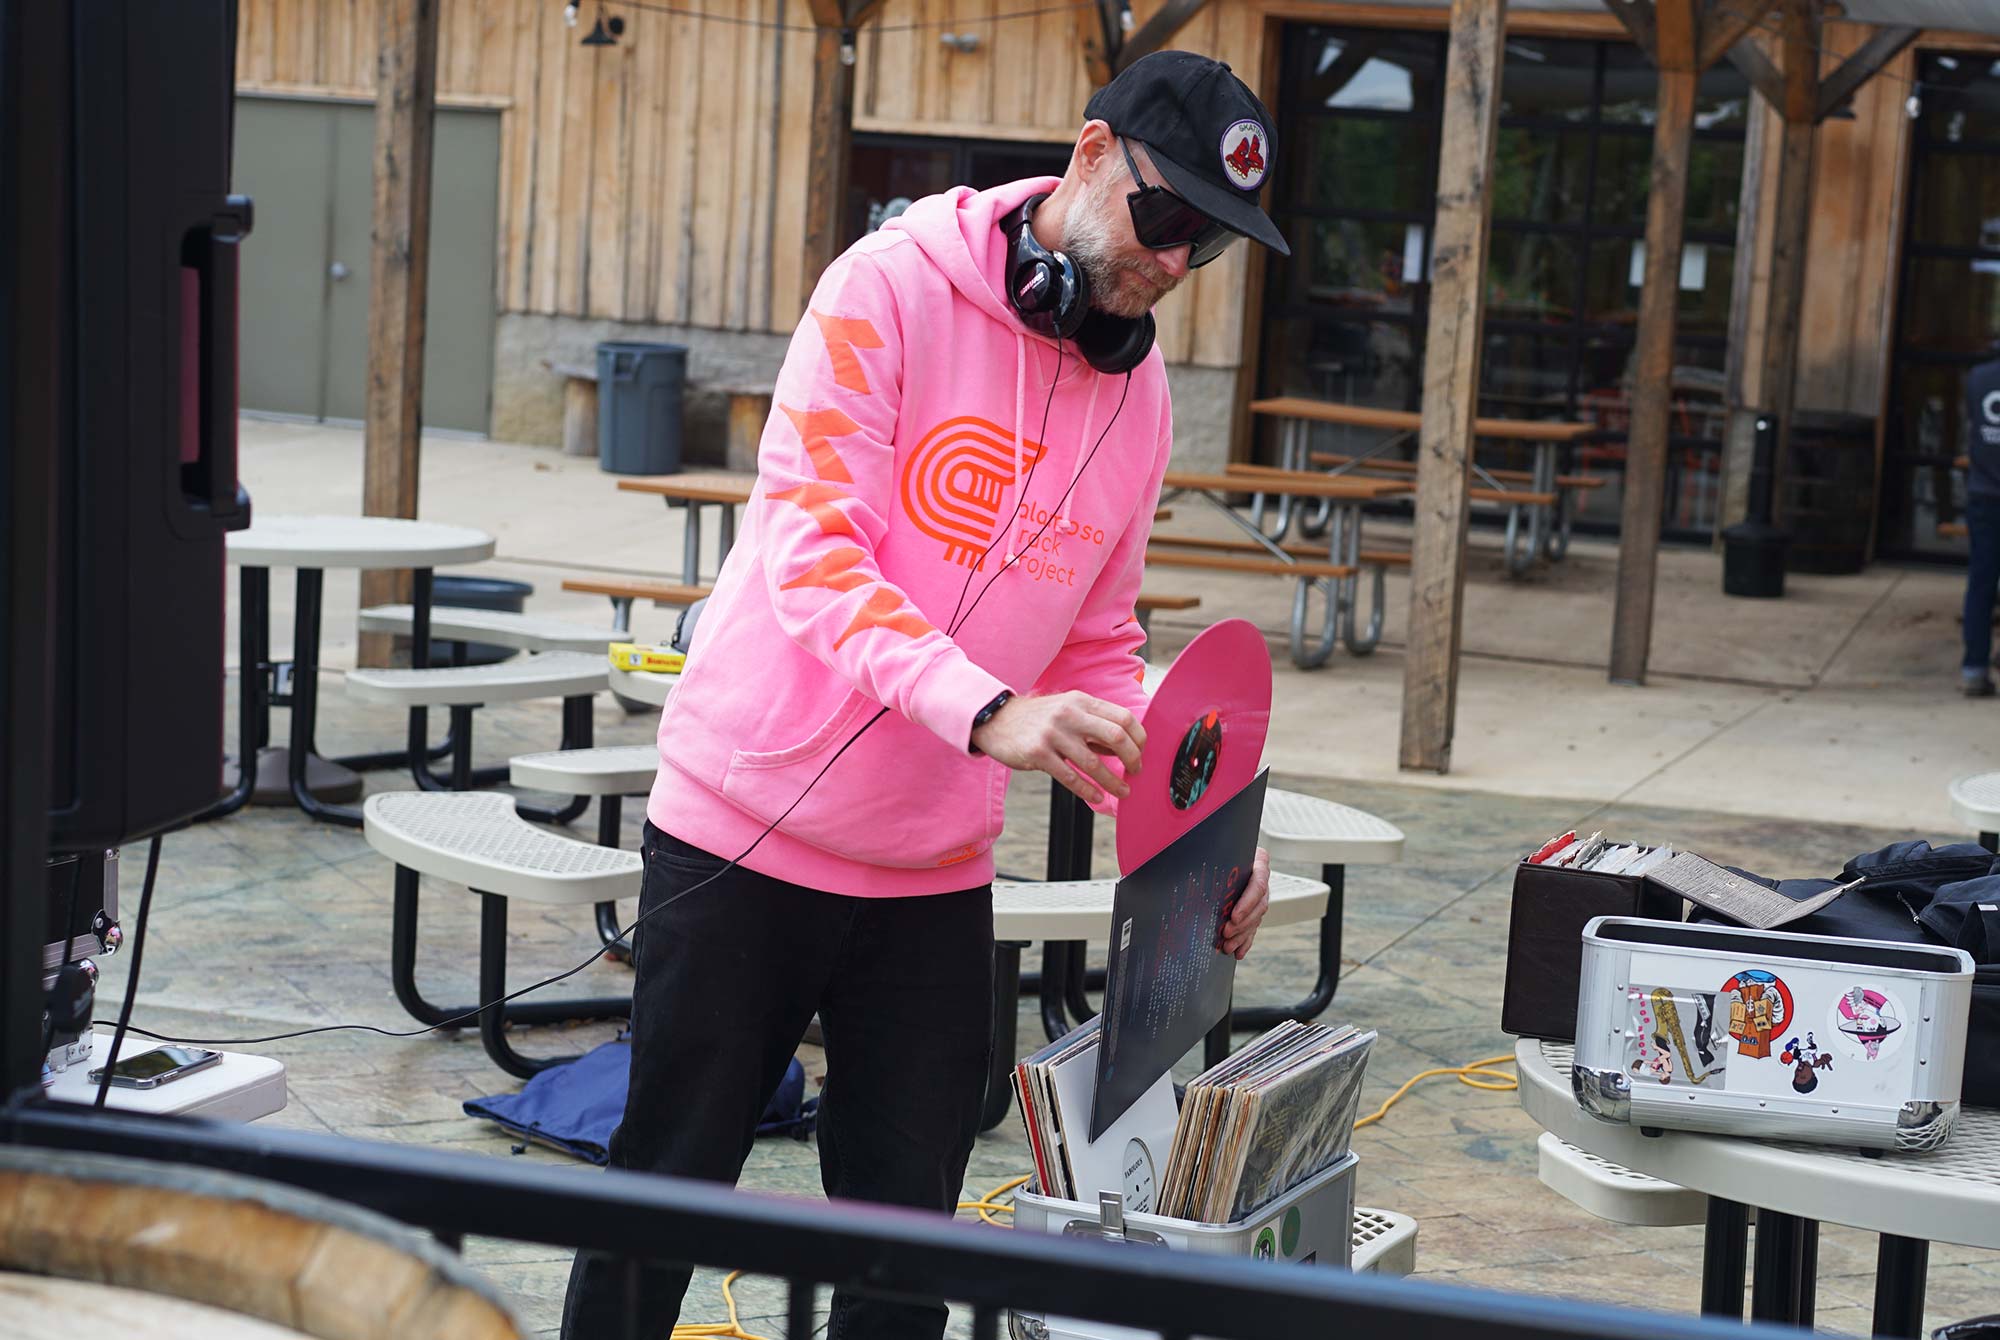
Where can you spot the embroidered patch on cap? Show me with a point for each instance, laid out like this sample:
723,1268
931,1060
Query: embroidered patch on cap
1243,154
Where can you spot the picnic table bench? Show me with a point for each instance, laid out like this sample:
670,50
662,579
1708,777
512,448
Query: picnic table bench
1543,503
1337,575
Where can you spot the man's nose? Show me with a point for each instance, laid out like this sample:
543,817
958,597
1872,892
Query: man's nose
1174,260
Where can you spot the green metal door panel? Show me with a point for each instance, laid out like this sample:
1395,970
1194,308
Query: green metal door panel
465,206
284,161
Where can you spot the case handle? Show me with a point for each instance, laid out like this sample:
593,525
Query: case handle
209,368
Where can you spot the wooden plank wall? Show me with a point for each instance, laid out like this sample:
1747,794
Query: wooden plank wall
656,181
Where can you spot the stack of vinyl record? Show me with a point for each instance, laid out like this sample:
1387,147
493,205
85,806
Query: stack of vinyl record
1265,1120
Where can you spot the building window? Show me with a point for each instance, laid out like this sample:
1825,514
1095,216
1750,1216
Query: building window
1949,300
887,173
1344,318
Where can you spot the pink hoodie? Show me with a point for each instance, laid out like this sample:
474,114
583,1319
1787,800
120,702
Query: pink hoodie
902,434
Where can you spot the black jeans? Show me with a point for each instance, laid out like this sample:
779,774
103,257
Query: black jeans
1982,573
728,978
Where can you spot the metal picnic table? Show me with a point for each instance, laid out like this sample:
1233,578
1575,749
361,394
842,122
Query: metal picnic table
694,491
1548,524
1343,497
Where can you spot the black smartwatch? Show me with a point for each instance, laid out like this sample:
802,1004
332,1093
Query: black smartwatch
988,712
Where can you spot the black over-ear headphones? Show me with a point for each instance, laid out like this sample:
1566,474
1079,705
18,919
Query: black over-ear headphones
1051,294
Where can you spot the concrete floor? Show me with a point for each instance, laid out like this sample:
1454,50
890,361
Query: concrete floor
1787,760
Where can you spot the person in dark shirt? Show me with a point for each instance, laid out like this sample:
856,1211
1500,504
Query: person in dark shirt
1982,521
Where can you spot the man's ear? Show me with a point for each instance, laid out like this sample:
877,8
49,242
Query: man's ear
1093,144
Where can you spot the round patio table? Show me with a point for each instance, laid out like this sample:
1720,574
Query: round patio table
310,545
1911,1199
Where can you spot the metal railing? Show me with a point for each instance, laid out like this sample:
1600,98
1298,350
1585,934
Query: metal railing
863,1248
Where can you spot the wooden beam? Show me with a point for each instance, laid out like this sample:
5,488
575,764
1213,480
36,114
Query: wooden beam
863,11
1451,380
1157,31
1750,60
1725,24
1867,61
1791,223
1653,361
829,143
1098,38
1676,34
405,107
1637,16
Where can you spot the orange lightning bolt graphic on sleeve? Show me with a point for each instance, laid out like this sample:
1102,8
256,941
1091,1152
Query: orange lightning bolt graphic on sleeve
843,335
835,570
886,609
817,501
815,427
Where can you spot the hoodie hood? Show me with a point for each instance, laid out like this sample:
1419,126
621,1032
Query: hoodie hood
959,230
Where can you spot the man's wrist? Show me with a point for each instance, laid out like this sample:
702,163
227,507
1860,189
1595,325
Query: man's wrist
987,713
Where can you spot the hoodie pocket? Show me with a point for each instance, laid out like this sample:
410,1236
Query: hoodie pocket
825,812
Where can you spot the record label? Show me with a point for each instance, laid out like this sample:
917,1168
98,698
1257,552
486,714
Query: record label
1194,761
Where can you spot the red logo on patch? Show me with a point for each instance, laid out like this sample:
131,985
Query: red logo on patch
1248,158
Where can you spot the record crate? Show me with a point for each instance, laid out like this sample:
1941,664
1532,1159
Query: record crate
1312,1224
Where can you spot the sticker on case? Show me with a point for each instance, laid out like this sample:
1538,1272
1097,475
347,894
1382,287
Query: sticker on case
1672,1038
1868,1021
1760,1010
1807,1059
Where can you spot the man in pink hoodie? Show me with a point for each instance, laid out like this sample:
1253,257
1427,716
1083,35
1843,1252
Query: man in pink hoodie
934,586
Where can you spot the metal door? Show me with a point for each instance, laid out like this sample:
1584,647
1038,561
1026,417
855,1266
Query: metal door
305,309
284,162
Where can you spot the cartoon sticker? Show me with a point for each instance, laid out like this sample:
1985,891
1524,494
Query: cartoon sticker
1194,761
1760,1009
1868,1021
1807,1060
1267,1245
1289,1233
1672,1036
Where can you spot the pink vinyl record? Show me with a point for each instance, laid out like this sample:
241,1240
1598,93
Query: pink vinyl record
1204,739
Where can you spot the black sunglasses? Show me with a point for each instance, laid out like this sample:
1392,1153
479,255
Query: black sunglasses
1162,220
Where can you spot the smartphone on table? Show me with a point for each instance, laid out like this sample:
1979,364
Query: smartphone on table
161,1065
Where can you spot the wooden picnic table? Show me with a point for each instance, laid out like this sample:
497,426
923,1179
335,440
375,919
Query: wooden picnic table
1546,504
692,491
1338,574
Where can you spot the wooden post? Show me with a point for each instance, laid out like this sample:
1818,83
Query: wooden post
1791,223
1653,357
831,143
1451,380
405,100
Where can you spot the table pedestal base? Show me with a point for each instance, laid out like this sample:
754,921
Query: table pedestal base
326,780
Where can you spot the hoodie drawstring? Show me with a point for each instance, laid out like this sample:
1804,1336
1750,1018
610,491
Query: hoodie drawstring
1069,526
1020,413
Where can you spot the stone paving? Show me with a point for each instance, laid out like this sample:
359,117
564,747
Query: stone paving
267,922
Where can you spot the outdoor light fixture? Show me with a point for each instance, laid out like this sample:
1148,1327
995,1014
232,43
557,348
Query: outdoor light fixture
961,41
598,37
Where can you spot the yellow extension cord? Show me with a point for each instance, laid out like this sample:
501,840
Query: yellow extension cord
1478,1074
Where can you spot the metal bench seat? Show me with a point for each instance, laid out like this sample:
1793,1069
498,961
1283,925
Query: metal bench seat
502,628
476,839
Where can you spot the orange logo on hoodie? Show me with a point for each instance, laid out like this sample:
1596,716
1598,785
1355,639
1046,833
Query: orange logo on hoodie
956,480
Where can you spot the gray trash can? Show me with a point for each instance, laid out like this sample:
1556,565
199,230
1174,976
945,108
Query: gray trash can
639,390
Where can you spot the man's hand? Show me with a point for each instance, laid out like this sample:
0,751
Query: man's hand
1241,929
1065,735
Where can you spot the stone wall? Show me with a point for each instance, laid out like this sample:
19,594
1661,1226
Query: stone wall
528,394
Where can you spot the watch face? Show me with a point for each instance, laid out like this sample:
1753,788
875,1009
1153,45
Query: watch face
1139,1183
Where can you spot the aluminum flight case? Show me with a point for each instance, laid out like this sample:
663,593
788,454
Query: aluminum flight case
1312,1224
1700,1027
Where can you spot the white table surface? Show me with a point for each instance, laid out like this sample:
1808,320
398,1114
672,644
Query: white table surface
239,1087
362,542
1951,1194
643,685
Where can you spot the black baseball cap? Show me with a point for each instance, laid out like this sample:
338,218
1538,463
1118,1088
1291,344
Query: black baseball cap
1206,132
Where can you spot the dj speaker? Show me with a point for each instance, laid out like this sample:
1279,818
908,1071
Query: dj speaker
144,451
